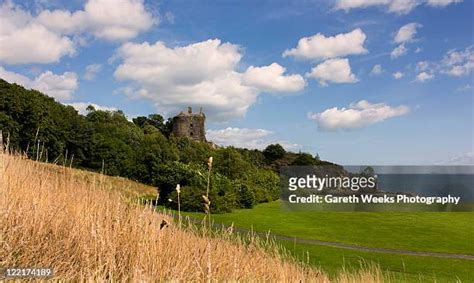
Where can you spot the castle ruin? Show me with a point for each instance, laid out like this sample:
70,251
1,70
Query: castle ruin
190,125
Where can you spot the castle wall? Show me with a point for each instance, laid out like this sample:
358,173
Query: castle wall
190,125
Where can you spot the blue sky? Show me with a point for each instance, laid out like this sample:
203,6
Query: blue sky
359,82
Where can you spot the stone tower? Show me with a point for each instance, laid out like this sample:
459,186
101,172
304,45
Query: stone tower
190,125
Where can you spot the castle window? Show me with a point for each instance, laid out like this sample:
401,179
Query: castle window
191,125
191,134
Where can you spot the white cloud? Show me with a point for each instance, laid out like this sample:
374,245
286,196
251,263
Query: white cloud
239,137
402,6
272,79
392,6
123,20
404,35
202,74
333,71
407,33
60,87
24,41
399,51
246,138
424,77
462,159
82,106
48,37
423,65
91,71
188,65
321,47
117,20
418,50
358,115
398,75
376,70
442,3
13,77
458,63
351,4
62,21
457,71
466,87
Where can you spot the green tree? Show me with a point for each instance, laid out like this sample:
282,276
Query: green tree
274,152
230,163
246,197
304,159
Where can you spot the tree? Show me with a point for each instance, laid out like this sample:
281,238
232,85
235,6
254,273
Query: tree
140,121
230,163
246,197
157,121
274,152
153,120
304,159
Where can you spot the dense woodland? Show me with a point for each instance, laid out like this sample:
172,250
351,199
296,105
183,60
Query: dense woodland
142,150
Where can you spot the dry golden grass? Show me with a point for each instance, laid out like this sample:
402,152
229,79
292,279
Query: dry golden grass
50,217
126,187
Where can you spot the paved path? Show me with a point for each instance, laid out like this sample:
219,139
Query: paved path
369,249
342,245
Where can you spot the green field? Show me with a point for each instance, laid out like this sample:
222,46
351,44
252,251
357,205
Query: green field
398,267
422,231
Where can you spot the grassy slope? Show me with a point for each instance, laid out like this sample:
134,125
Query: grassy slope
436,232
76,223
125,187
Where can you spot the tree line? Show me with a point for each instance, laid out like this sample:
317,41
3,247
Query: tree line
142,150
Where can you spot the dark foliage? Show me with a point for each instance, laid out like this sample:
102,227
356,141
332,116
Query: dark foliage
274,152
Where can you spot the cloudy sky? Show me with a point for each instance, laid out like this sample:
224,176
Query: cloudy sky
357,81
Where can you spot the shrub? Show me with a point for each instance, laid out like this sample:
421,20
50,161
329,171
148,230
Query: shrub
167,175
223,196
246,197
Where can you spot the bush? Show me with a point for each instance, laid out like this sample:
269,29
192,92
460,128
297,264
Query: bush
222,193
168,175
264,184
246,197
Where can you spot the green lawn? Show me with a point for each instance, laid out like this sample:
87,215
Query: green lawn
448,232
398,267
451,232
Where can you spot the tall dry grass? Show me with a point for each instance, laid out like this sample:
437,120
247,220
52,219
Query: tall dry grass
84,231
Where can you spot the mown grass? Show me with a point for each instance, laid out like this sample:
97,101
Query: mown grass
424,231
86,230
400,267
450,232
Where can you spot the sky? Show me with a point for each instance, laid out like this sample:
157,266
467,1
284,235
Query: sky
369,82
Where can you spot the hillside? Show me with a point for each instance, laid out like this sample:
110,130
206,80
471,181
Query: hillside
72,222
142,150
